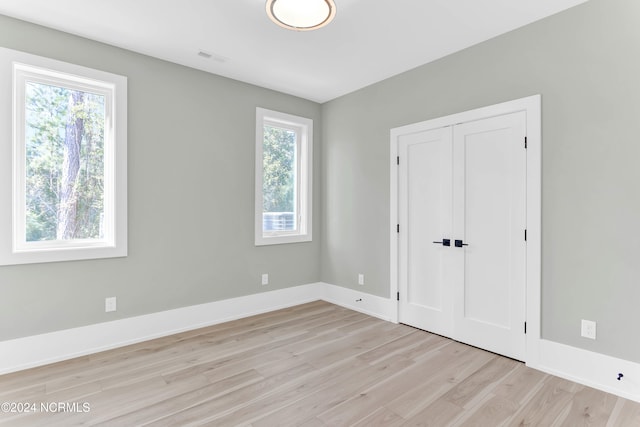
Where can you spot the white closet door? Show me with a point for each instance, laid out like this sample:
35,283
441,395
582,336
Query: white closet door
489,217
465,183
426,217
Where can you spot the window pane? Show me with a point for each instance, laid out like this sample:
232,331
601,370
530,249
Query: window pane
279,180
64,132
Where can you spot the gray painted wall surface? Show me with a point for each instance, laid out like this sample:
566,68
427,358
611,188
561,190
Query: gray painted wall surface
585,62
191,194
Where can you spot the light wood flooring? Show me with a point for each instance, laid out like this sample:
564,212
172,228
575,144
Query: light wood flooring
311,365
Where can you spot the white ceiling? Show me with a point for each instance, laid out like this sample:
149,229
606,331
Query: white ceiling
368,41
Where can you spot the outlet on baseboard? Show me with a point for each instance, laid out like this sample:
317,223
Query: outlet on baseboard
360,279
588,329
265,279
110,304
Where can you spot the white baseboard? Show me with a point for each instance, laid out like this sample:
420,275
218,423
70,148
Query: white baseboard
382,308
591,369
28,352
38,350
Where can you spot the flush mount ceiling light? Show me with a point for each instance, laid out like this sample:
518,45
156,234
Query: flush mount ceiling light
301,15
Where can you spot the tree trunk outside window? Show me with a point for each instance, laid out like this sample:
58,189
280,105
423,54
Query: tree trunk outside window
74,131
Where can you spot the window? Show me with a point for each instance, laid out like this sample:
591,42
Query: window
283,178
65,196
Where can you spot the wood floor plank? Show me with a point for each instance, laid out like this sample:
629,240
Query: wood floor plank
521,384
296,392
350,346
626,413
332,393
381,417
440,413
548,406
18,394
312,365
412,339
451,365
186,400
233,401
314,422
494,410
480,381
590,407
368,400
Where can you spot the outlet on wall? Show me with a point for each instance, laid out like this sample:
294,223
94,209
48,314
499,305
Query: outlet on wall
265,279
588,329
110,304
360,279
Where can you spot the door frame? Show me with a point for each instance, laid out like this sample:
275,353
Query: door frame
531,105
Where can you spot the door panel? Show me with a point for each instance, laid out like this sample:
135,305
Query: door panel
487,224
426,215
490,216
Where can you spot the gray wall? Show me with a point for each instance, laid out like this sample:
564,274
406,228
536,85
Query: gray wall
585,62
191,194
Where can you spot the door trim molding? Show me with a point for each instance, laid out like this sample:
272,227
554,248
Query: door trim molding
531,105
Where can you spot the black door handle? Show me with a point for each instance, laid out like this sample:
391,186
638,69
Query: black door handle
459,244
445,242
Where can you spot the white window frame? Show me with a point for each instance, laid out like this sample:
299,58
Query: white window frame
16,69
304,195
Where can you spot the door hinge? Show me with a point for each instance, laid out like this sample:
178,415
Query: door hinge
525,142
525,327
398,296
398,160
525,234
398,228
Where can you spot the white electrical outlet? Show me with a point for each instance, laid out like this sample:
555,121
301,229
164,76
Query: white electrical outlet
588,329
360,279
265,279
110,304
